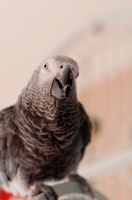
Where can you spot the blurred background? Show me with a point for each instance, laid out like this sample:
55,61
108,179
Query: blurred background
98,35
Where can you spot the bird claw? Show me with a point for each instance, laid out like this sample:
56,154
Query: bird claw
86,188
42,188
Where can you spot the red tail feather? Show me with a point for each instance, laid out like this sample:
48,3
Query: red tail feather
7,196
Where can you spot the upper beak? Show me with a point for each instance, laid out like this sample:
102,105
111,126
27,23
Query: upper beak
61,85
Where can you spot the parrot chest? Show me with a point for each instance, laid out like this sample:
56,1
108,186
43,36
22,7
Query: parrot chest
62,164
50,152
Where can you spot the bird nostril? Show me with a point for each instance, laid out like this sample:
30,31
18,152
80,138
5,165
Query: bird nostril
61,66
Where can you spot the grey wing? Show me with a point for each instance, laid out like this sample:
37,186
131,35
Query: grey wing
85,128
9,145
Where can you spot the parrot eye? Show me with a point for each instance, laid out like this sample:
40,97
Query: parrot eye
45,66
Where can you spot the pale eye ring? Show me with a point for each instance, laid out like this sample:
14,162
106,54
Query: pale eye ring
45,66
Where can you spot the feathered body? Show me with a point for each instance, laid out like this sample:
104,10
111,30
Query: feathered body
42,137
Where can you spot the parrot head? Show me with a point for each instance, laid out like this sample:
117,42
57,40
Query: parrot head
61,72
52,82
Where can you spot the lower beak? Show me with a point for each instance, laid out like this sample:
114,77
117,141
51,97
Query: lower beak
61,86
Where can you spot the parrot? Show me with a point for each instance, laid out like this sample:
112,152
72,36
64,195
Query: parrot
43,136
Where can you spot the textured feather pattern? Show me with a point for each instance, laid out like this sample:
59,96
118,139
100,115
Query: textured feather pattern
9,146
42,137
45,135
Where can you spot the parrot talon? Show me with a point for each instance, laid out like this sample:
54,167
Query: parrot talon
86,188
47,190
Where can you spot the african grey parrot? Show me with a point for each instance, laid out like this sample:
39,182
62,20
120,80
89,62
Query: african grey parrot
44,135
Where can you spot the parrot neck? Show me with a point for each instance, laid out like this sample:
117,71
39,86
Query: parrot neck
44,139
55,121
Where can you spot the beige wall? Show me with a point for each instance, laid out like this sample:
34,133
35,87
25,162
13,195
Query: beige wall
31,30
110,150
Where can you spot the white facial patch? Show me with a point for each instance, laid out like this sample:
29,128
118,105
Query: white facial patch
51,67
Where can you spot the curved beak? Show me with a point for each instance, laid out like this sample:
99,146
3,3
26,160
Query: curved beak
61,85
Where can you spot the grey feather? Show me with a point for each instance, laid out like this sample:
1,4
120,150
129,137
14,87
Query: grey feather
44,135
